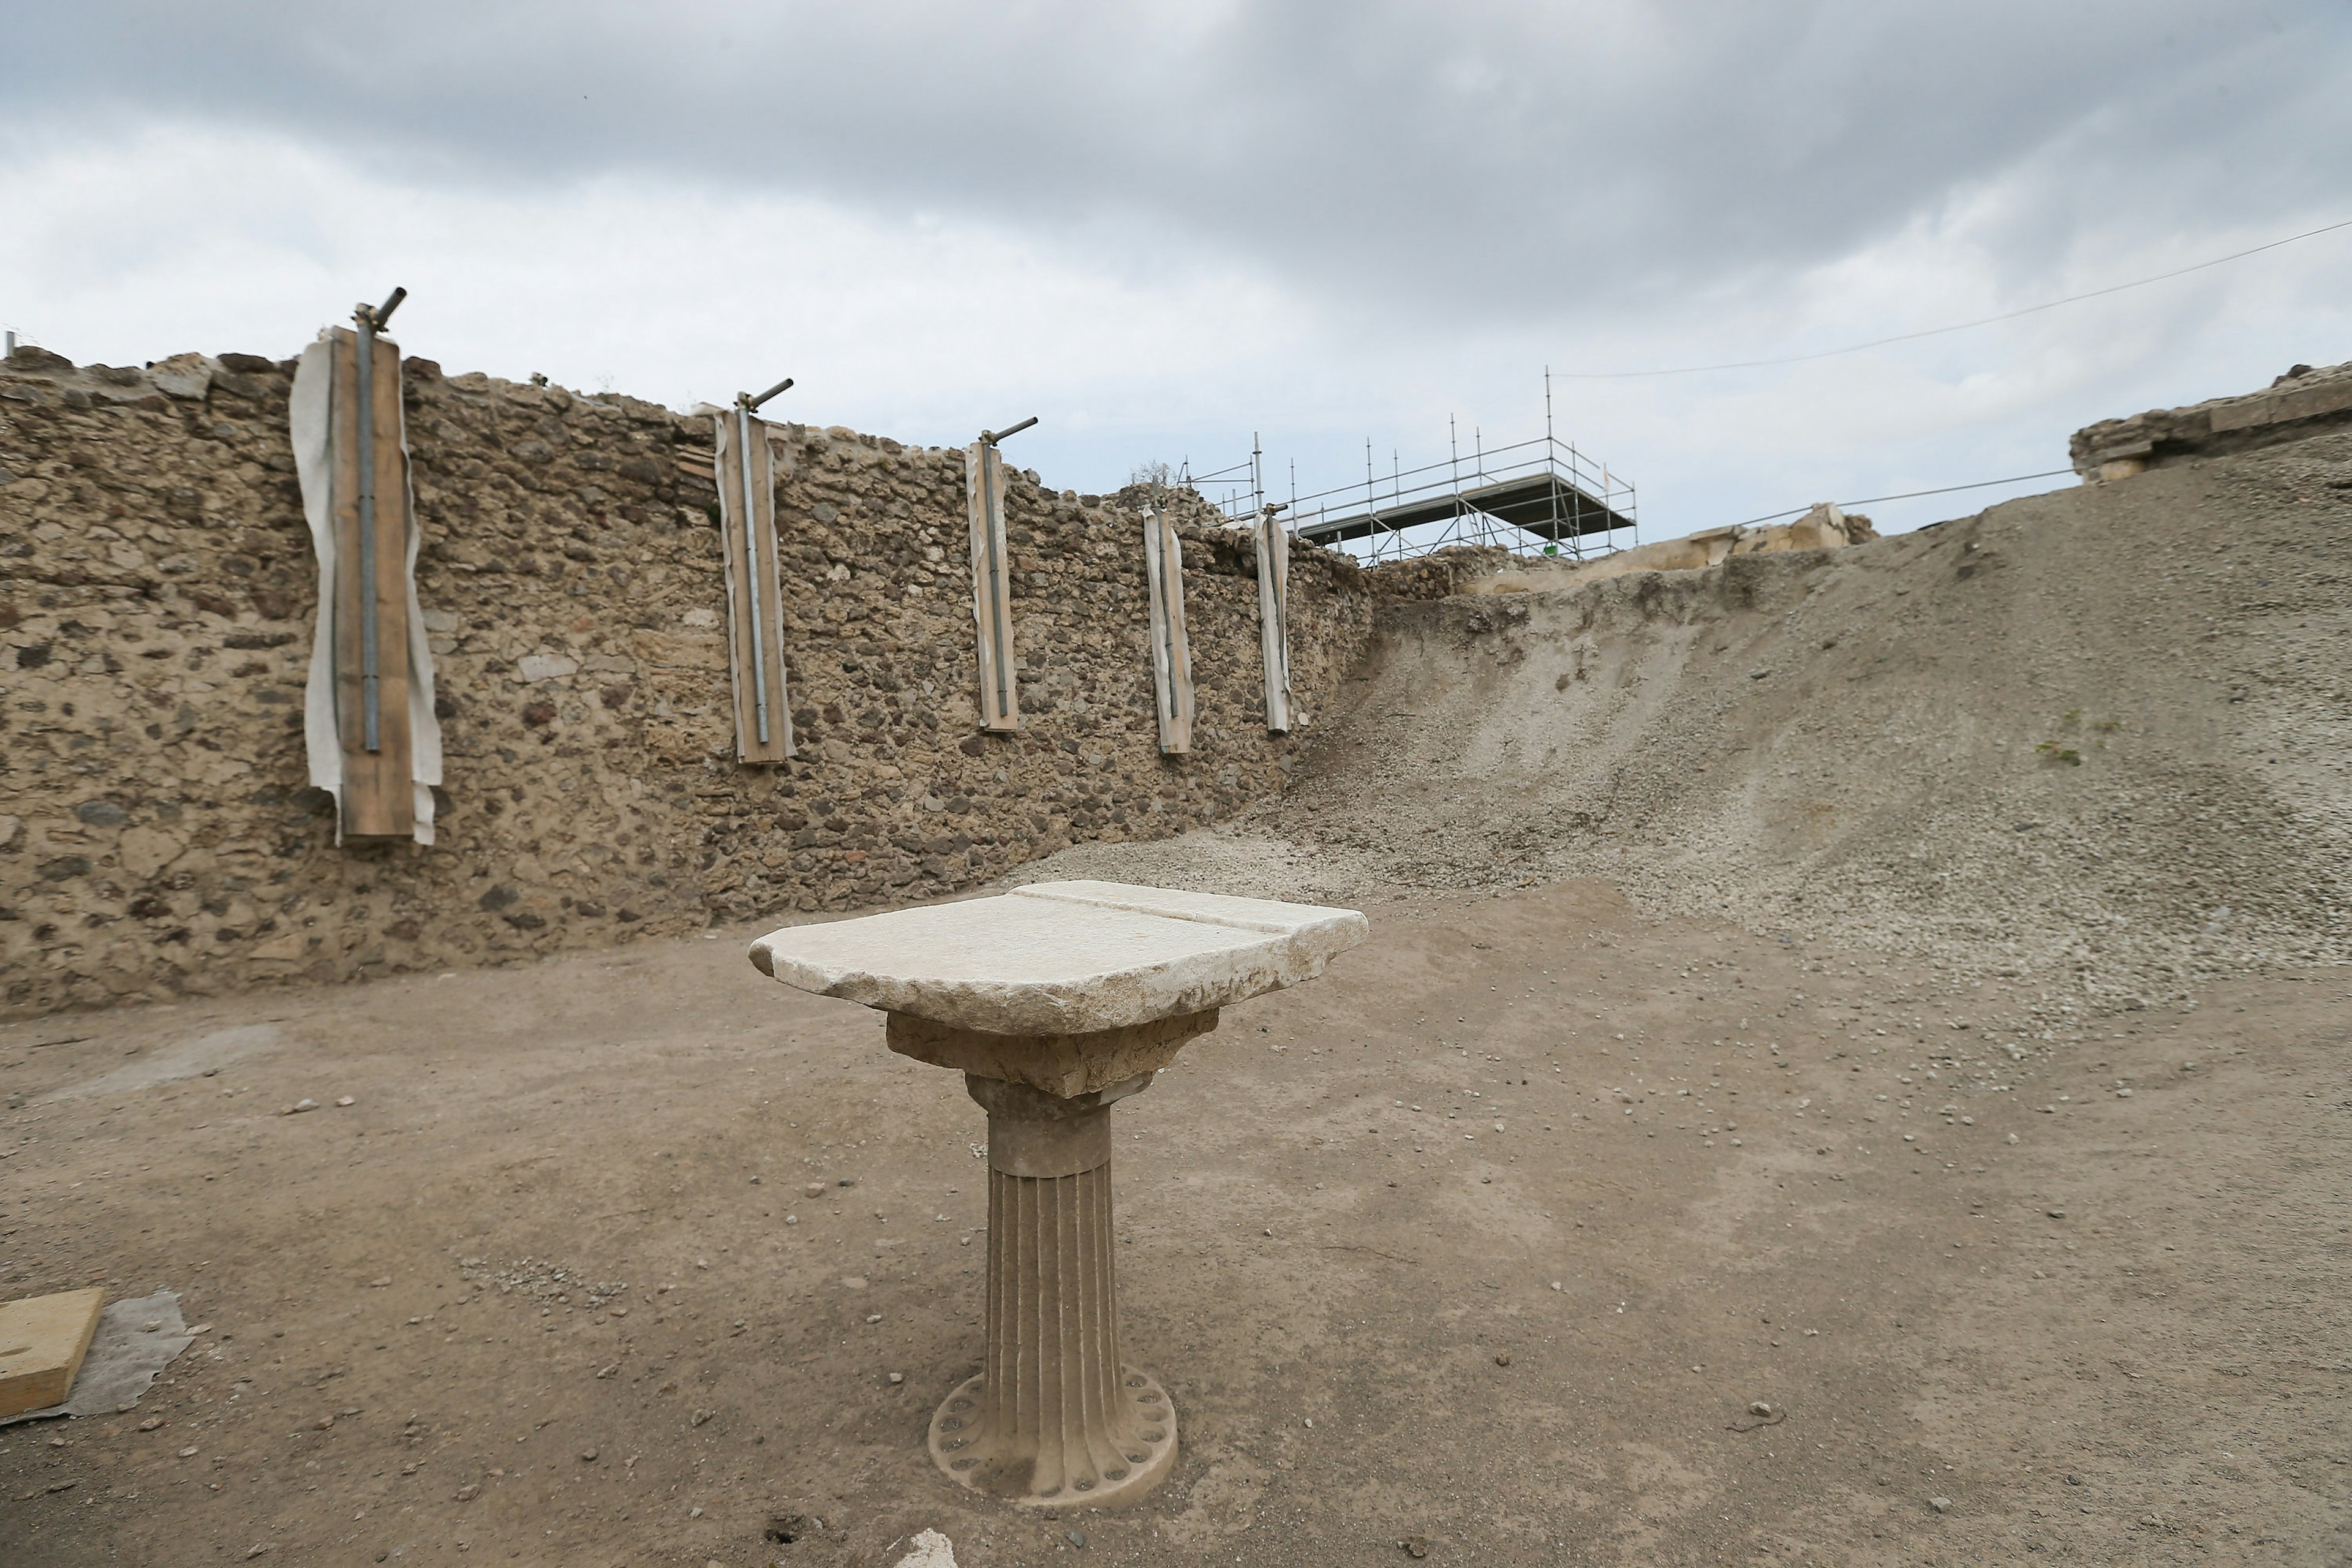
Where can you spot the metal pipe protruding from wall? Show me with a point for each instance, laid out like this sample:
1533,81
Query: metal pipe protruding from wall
746,401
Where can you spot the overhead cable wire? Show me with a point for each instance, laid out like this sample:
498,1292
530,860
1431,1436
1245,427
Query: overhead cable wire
1956,327
1909,495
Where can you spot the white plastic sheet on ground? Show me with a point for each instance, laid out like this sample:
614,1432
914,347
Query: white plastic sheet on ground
135,1340
931,1549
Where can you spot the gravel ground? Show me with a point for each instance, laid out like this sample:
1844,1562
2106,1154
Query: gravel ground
1522,1206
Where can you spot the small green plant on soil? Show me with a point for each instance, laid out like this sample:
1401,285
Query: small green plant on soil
2073,719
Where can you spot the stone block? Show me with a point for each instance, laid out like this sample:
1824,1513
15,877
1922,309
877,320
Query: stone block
1062,958
1063,1065
680,651
147,850
185,375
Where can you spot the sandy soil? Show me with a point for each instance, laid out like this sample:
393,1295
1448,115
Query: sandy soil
2100,739
1521,1207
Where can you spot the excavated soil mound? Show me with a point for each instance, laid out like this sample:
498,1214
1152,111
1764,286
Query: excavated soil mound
2095,737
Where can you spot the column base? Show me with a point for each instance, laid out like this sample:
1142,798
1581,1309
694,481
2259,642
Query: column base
961,1449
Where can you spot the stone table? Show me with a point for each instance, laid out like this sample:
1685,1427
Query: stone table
1056,1001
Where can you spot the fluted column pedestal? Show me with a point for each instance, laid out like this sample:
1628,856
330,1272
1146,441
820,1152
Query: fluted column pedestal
1054,1419
1054,1001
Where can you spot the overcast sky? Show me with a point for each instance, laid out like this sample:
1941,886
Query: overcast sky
1163,227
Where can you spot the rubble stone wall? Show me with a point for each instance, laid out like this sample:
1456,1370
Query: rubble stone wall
158,835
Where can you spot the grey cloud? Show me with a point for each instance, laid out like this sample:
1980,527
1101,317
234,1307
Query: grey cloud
1465,163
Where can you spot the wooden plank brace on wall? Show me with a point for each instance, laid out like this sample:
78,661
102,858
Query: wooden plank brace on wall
1171,655
1274,615
744,465
372,528
368,720
991,586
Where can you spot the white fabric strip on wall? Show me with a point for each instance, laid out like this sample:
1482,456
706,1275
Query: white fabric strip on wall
1274,616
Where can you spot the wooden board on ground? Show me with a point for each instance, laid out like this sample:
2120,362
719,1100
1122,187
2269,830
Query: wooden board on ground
1171,653
379,793
755,612
992,588
42,1341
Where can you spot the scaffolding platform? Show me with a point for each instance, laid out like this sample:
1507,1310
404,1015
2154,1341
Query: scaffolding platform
1544,504
1541,497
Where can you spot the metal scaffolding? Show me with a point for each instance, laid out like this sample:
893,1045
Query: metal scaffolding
1542,497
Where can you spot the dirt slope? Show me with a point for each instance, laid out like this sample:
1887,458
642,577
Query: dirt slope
2095,737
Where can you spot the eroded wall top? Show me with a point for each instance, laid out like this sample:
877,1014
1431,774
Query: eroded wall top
2301,403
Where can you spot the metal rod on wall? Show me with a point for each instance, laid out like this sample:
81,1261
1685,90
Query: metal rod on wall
372,320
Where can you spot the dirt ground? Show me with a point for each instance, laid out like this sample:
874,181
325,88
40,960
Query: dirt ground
613,1261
